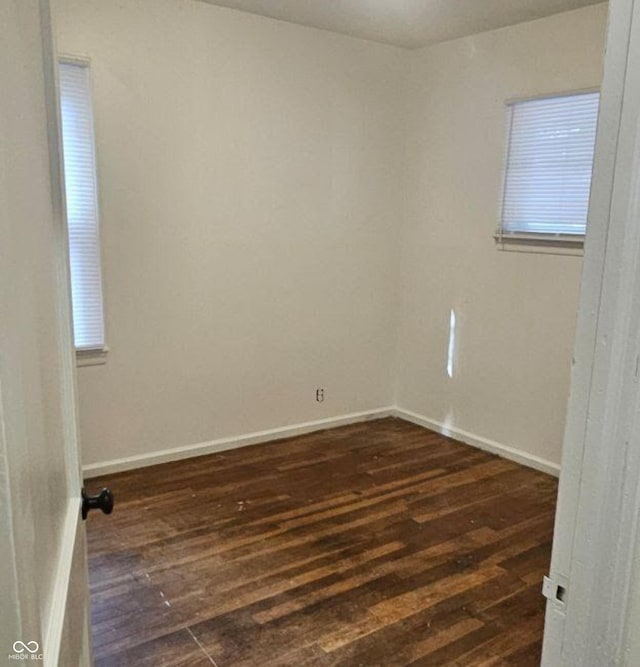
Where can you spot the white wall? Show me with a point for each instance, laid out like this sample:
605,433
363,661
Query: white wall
256,192
250,192
515,312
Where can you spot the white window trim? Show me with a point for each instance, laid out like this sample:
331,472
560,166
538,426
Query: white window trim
89,356
92,357
72,59
553,244
549,245
548,95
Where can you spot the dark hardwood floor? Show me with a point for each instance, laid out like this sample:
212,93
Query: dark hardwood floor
378,544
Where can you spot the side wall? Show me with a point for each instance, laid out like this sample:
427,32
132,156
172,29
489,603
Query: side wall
515,312
250,191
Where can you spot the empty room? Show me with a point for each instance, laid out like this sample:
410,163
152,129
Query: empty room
314,330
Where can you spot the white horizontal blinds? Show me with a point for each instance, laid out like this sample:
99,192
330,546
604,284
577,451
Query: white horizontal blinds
549,164
82,207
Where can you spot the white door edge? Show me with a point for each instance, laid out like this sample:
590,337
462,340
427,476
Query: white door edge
60,594
42,554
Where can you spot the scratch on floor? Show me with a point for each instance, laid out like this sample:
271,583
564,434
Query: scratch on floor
202,648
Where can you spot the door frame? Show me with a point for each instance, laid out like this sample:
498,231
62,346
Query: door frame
595,549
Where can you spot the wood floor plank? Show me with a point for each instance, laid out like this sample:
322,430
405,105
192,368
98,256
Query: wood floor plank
379,543
178,649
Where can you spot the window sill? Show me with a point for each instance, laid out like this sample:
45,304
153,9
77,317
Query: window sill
540,243
95,357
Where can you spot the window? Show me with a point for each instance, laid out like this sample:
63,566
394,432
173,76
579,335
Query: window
550,149
82,206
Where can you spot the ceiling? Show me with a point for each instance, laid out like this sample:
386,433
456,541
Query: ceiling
407,23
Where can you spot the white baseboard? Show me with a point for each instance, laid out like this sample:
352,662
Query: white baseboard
222,444
478,441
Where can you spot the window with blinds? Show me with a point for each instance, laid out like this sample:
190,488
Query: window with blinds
550,147
82,206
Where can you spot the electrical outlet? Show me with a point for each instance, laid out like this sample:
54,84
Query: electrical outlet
320,394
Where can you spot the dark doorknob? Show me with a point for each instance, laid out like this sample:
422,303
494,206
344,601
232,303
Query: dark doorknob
103,501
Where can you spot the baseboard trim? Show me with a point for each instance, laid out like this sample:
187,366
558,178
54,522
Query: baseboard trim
234,442
478,441
224,444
